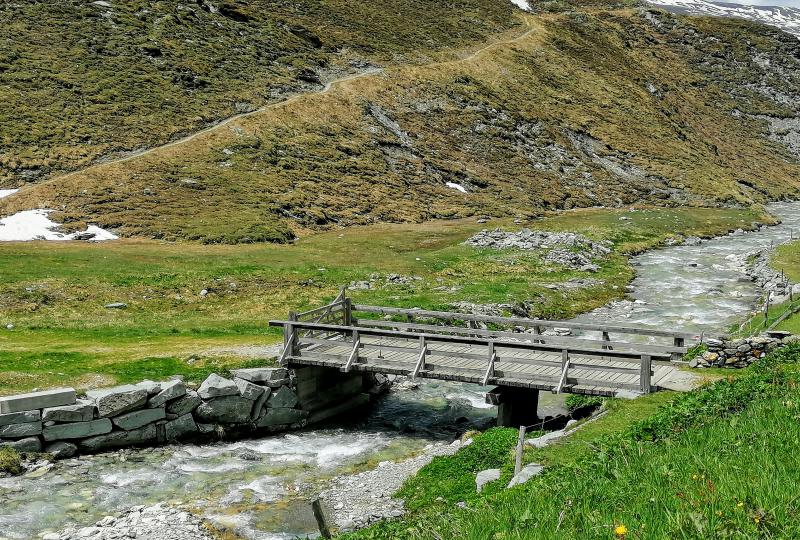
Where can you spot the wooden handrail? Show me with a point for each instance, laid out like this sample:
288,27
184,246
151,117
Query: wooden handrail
519,321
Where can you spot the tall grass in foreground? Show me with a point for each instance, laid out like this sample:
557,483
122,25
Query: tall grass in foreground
720,462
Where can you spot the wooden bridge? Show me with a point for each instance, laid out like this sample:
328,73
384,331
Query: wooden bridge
507,352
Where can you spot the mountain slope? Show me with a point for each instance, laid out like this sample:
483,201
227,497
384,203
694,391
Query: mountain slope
588,107
130,74
786,18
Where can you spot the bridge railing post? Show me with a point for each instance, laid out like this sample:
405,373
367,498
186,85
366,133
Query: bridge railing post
289,339
677,341
645,374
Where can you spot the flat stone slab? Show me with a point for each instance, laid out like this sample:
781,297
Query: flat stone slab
169,391
24,417
83,411
527,472
261,375
77,430
485,477
137,419
15,431
283,397
185,404
37,400
118,400
216,386
117,439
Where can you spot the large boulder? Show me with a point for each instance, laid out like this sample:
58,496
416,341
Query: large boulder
118,439
185,404
118,400
283,397
137,419
16,431
180,428
485,477
527,472
83,411
169,391
22,417
281,417
225,410
215,386
77,430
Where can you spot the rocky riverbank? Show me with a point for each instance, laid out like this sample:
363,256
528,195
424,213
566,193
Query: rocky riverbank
775,285
158,522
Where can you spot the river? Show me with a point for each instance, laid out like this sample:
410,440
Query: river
261,487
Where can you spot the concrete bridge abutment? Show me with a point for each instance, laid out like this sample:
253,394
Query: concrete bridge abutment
515,406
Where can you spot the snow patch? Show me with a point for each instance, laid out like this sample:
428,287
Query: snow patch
459,187
7,192
36,225
522,4
787,18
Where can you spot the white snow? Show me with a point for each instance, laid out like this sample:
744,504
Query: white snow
37,225
786,17
7,192
459,187
522,4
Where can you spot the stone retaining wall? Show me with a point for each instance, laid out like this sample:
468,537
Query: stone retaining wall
253,401
739,353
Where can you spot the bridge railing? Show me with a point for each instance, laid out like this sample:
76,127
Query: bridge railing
305,343
677,340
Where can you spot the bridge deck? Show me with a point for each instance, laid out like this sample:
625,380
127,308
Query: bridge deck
331,337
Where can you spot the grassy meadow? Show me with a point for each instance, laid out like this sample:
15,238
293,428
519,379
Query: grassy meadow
716,462
54,293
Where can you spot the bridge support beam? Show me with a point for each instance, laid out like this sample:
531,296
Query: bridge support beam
515,406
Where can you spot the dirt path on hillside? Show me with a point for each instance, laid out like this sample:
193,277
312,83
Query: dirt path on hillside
325,89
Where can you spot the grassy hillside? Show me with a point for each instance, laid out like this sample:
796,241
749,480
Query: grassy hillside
63,334
127,74
696,465
584,108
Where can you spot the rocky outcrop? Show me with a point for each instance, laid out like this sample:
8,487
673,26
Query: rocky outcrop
149,413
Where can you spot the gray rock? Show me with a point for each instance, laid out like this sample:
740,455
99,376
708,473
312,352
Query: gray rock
226,409
261,375
15,431
180,428
169,391
527,472
83,411
61,449
282,417
216,386
28,444
118,400
744,348
185,404
23,417
117,439
284,397
77,430
248,390
137,419
37,400
206,428
152,387
485,477
117,305
258,404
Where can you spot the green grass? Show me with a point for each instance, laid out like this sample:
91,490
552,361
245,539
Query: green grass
787,258
56,299
696,465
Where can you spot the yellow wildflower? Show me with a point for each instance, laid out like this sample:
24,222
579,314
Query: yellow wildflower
757,520
694,477
739,504
621,530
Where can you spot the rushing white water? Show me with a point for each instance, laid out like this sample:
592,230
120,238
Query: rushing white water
261,487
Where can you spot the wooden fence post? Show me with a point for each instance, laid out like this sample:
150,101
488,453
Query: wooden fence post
644,374
520,448
319,515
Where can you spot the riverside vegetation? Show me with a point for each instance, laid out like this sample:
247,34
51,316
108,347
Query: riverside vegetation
64,335
695,465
